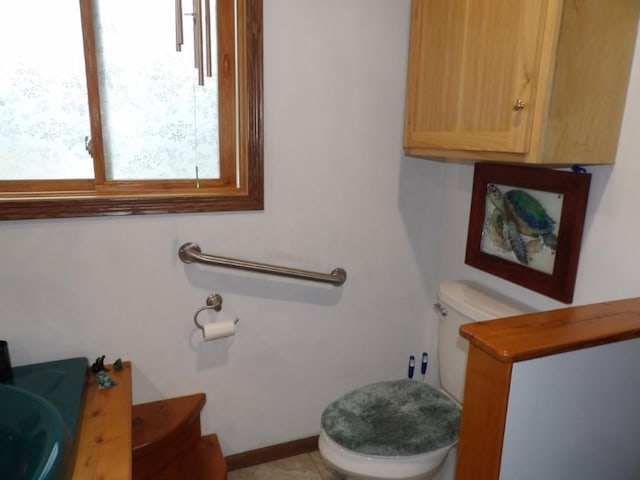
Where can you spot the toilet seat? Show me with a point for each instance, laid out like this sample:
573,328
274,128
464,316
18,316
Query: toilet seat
393,419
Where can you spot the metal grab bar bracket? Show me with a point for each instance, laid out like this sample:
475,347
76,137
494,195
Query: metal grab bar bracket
184,253
191,253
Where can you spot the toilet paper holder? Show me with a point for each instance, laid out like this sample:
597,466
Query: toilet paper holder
214,302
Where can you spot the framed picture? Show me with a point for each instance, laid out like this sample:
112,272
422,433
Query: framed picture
526,224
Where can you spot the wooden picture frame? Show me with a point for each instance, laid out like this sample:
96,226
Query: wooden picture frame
525,225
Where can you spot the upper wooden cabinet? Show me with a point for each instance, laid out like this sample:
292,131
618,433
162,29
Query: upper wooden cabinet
529,81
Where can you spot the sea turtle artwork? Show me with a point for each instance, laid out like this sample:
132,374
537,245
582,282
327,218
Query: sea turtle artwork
518,225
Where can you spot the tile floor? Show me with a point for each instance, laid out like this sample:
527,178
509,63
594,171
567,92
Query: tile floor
308,466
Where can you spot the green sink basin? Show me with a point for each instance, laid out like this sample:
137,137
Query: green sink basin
32,436
40,409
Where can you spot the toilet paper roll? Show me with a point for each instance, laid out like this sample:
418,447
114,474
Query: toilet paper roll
213,331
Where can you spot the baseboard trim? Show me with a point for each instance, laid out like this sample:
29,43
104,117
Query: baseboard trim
271,453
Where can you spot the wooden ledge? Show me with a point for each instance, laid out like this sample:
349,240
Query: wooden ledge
534,335
104,441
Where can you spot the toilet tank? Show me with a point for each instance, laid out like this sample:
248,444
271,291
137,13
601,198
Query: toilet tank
465,302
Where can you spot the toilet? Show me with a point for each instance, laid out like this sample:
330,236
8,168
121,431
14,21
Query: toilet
404,429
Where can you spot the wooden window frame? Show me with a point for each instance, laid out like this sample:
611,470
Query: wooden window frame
240,189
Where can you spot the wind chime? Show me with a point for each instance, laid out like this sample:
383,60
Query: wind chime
199,51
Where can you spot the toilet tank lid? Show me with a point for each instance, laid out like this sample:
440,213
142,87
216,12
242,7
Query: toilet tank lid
477,302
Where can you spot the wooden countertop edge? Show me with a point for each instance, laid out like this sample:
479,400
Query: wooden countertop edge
105,443
534,335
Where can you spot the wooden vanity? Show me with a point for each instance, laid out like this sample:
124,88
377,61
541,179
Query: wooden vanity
553,395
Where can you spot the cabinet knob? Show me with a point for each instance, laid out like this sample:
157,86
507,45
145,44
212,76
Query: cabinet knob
518,104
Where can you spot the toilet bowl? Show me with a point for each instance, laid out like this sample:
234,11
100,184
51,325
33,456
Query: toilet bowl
370,467
404,429
401,430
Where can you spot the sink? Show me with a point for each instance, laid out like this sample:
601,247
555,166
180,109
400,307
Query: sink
40,409
32,436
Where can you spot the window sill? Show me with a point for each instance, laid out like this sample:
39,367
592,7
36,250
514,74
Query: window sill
88,204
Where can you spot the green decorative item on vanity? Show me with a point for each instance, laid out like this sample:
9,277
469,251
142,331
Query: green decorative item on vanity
117,365
104,380
393,418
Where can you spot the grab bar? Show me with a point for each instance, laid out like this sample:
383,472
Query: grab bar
191,252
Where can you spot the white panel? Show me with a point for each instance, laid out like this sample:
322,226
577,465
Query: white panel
575,416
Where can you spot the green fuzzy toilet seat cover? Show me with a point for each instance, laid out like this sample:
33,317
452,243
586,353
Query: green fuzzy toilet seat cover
394,418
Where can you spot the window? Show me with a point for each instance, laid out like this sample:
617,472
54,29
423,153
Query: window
151,138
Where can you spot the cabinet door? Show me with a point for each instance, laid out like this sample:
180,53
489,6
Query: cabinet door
470,62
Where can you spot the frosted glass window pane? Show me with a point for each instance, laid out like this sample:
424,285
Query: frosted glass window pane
43,99
158,123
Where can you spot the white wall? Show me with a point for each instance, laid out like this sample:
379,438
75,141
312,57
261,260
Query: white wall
609,260
338,193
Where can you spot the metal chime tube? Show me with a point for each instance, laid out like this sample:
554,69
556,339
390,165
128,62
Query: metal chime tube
179,33
207,17
198,41
198,44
